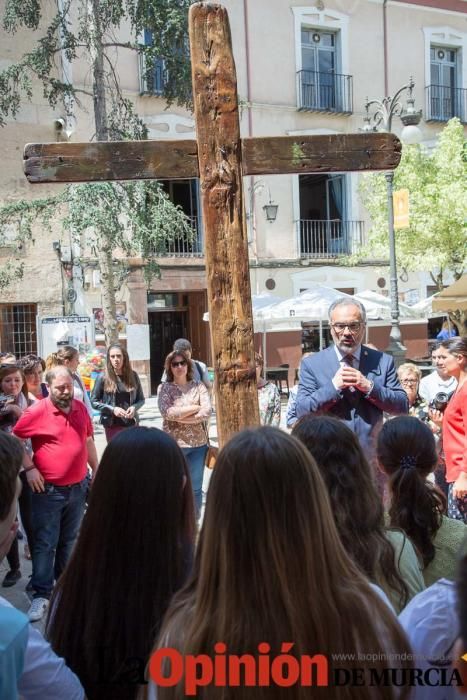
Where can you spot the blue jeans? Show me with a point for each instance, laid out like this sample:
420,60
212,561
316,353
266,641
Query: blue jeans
56,516
195,457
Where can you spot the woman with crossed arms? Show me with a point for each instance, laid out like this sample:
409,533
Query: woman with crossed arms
185,408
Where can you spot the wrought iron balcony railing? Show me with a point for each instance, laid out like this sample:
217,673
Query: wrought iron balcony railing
329,238
183,247
443,103
325,92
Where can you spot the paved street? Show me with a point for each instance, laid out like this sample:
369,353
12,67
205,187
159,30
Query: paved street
150,416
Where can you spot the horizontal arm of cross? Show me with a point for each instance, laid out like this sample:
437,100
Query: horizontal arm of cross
145,160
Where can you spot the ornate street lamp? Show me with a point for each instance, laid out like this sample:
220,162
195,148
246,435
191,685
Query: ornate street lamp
381,120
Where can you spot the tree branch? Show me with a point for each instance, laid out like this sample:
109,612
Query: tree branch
121,45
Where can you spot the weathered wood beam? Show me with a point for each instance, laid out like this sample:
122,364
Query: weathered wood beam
220,170
320,154
130,160
110,160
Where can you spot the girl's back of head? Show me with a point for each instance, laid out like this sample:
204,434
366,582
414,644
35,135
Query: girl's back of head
355,501
270,566
406,451
133,552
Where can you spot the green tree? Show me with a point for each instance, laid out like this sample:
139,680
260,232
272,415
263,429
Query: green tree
436,238
127,218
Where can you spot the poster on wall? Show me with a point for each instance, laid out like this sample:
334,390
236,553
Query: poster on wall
122,319
55,331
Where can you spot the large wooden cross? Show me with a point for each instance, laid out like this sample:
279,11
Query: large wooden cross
220,158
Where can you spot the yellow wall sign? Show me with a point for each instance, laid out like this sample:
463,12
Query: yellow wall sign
401,208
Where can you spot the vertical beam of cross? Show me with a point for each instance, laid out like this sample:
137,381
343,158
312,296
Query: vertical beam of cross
226,248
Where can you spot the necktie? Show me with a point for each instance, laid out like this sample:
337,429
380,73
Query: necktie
349,361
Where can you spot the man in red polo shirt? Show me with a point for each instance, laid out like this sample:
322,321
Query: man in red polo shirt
61,434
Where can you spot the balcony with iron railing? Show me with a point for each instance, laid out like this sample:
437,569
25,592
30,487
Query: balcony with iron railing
329,239
444,102
325,92
184,247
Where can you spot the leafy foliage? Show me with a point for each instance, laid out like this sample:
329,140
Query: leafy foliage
10,272
117,220
436,238
75,30
135,218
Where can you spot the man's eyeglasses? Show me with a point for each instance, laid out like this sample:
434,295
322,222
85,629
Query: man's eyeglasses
182,363
353,327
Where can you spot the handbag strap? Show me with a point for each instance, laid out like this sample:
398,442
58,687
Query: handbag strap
205,426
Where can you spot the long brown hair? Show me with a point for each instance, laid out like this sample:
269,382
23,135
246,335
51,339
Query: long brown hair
133,552
270,567
355,501
406,450
127,377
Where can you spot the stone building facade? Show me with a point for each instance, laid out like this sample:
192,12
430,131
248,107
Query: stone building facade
302,68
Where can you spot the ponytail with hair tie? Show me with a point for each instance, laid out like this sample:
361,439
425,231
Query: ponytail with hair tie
407,462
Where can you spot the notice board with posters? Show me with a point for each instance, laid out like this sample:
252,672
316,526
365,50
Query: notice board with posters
54,331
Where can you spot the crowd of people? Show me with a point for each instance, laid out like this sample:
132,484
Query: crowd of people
345,538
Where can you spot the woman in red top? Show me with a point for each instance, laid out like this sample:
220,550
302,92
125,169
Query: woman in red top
453,356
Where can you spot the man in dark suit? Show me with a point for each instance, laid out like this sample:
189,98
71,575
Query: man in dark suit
351,381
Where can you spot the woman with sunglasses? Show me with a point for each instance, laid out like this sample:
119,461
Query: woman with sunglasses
117,393
185,408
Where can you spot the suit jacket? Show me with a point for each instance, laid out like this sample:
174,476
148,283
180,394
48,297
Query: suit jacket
363,414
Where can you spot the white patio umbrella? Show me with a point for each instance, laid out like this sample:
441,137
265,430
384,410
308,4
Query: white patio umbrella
258,301
310,305
379,307
424,308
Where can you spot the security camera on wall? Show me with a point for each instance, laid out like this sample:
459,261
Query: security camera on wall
64,127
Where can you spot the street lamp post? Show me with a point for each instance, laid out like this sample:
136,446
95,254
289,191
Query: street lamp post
381,120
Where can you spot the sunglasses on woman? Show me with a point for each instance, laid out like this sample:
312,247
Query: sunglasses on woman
182,363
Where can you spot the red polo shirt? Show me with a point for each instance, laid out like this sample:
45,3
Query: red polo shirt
455,434
58,440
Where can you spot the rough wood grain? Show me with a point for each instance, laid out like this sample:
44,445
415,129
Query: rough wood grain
220,168
320,154
110,160
133,160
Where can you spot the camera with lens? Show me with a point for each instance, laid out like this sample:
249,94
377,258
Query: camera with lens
440,401
5,399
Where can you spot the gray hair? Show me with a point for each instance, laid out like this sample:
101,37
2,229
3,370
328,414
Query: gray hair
55,371
409,368
346,301
182,345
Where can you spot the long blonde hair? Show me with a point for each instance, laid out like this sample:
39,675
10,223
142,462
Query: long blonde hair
270,567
